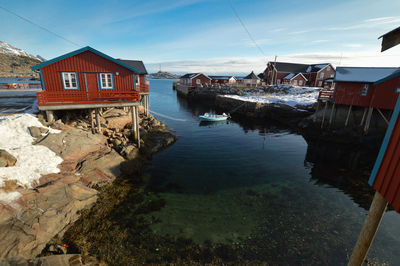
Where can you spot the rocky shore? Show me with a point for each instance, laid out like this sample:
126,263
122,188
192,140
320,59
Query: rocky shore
90,161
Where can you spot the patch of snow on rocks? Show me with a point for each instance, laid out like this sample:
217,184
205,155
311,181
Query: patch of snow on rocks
293,96
32,160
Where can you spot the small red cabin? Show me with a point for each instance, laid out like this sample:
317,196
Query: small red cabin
294,79
374,87
195,79
87,78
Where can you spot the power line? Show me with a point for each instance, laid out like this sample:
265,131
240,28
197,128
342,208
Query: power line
245,28
37,25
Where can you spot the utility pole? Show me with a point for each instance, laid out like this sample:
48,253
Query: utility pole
273,76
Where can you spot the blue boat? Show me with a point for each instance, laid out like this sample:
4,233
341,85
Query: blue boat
213,118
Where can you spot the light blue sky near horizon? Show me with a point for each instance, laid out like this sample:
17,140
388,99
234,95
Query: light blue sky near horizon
205,35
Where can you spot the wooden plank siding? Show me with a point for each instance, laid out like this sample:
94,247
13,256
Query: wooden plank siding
385,176
86,62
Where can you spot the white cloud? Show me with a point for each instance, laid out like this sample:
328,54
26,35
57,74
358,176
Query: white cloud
319,41
244,65
352,45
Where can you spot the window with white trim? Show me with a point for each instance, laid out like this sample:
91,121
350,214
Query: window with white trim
198,81
295,82
70,80
364,90
300,82
321,75
106,81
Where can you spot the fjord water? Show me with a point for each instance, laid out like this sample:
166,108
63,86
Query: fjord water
250,184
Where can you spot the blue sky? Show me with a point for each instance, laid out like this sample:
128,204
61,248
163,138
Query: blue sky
205,35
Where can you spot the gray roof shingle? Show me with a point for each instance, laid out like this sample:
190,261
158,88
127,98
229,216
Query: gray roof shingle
136,64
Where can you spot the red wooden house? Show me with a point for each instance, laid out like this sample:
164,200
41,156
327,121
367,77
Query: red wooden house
373,87
87,78
315,74
195,79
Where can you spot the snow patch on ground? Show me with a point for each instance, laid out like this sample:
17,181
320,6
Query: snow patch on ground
293,96
32,160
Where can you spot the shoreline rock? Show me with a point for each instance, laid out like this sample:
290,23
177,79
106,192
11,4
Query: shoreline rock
90,161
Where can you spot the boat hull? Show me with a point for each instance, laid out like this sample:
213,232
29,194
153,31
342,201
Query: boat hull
212,119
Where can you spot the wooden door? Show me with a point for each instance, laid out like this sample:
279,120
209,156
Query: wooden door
91,85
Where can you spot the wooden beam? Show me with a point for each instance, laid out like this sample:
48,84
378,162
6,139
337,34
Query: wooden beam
323,117
367,235
91,120
137,126
98,120
384,118
332,112
50,116
133,115
348,116
369,116
363,117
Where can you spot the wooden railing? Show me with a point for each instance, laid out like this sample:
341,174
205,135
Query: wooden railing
143,88
72,97
326,94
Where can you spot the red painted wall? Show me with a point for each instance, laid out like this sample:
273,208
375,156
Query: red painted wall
385,96
298,78
219,81
387,181
86,62
203,80
327,74
349,93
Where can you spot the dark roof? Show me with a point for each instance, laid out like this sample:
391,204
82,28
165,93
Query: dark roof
192,75
261,75
221,77
84,49
189,75
364,74
390,39
137,64
251,76
296,68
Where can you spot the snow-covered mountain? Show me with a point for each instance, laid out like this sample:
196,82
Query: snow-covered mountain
6,48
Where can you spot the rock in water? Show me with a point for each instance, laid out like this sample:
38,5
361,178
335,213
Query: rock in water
6,159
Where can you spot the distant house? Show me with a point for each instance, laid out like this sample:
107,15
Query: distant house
294,79
315,75
223,79
194,79
375,87
251,80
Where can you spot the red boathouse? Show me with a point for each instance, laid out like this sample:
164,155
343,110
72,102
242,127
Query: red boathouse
87,78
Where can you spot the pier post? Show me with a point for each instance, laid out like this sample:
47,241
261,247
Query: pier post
332,112
50,116
91,120
323,117
348,116
98,120
133,114
367,123
137,126
363,117
316,111
371,224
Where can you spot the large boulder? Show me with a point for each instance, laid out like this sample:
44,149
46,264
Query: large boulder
7,159
37,132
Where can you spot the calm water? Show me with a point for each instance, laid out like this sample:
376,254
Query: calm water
255,185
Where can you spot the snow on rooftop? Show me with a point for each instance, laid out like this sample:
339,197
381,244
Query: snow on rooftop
32,160
363,74
308,70
289,76
294,97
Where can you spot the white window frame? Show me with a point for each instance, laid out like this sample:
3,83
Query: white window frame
278,82
295,82
67,78
198,81
365,89
108,83
321,75
320,83
300,83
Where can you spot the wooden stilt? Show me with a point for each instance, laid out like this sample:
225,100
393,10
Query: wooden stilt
133,114
92,120
368,121
50,116
137,126
348,116
323,117
384,118
148,105
363,117
331,116
374,218
316,111
98,120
